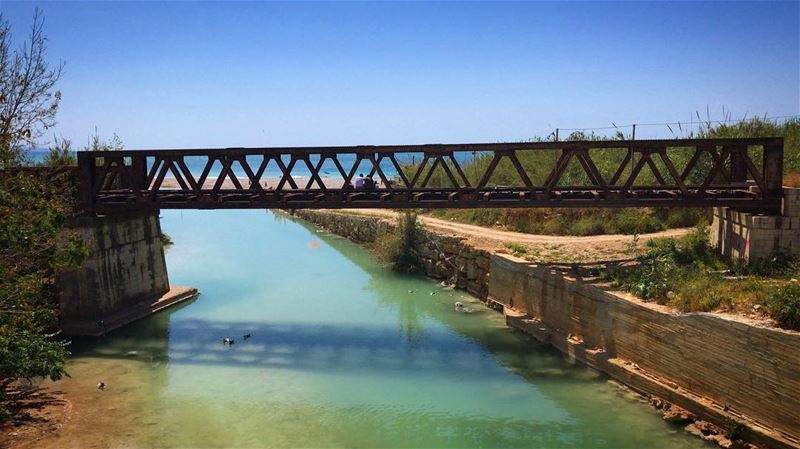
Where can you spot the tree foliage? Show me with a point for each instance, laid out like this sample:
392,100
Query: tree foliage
34,211
28,98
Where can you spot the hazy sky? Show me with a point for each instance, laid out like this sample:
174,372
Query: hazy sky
257,74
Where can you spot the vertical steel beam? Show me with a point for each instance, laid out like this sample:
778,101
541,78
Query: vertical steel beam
86,181
738,164
138,171
772,167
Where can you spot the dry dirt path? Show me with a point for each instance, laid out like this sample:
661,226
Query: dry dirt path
539,247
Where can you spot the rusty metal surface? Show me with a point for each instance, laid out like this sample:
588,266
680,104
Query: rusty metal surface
743,173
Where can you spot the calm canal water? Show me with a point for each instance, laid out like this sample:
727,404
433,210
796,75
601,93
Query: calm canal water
343,353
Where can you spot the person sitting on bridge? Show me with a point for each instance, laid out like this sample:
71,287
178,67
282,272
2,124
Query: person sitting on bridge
369,183
360,181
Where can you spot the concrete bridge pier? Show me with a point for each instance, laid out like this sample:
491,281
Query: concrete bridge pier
747,237
124,279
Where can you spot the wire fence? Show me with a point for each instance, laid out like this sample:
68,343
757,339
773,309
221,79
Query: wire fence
676,128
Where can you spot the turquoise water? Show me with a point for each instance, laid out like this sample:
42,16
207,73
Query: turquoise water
343,353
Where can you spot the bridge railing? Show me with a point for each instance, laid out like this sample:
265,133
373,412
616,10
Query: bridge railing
745,173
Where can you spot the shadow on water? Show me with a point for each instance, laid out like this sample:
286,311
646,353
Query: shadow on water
199,341
319,348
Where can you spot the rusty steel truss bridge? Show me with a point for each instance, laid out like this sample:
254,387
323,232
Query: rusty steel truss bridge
742,173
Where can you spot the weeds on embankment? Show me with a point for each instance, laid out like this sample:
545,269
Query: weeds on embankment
396,247
689,275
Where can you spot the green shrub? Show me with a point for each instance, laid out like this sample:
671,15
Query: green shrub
682,218
166,240
784,305
757,127
60,154
733,429
677,266
780,262
516,249
588,226
700,293
396,247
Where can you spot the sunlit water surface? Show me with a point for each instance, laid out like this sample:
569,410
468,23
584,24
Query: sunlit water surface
343,353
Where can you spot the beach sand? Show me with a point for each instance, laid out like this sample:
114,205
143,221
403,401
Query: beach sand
267,183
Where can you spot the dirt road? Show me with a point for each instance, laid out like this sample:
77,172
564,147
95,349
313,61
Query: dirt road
538,247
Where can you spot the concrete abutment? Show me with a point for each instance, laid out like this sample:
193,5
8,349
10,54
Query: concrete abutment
748,237
124,278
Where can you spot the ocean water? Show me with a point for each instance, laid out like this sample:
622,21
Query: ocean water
196,165
343,353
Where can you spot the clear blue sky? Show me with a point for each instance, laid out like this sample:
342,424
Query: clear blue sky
250,74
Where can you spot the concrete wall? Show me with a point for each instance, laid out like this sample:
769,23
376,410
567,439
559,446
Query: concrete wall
442,257
715,366
126,266
744,236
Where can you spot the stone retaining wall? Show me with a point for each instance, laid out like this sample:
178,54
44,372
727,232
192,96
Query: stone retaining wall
718,368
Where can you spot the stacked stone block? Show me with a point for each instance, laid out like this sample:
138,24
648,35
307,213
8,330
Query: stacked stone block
747,237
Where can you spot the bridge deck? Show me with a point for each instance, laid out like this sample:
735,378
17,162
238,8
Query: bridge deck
743,173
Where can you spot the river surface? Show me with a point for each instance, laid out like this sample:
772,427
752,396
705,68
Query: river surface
343,353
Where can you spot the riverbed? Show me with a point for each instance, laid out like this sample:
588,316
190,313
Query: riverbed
341,353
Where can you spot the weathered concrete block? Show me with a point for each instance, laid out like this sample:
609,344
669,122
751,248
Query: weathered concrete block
126,266
791,202
764,221
743,236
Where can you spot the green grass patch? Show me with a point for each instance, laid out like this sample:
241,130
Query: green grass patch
516,249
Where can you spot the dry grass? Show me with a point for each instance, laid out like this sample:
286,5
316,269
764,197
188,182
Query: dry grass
792,179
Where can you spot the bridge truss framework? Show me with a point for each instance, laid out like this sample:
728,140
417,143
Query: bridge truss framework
743,173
